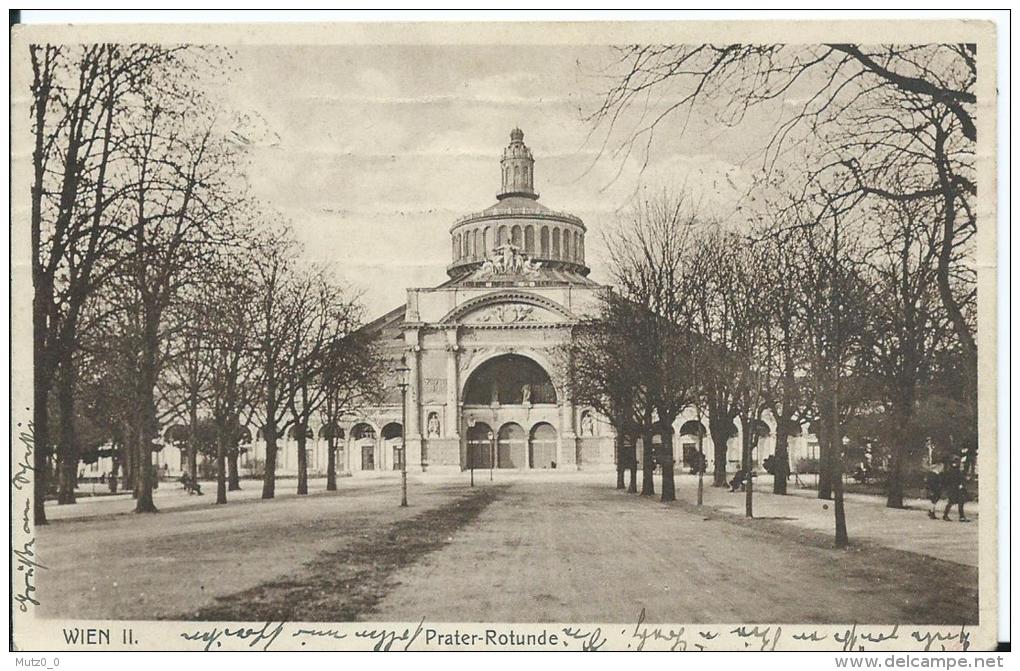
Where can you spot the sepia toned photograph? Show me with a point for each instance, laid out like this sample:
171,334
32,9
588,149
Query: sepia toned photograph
504,336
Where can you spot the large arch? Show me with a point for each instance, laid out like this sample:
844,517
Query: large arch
542,446
479,446
509,379
511,446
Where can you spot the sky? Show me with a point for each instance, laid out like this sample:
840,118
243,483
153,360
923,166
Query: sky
372,152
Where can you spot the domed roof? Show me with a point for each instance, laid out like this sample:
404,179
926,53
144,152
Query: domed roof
517,205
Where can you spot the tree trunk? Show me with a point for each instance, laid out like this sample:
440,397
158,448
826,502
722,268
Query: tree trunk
147,415
902,438
630,454
620,465
68,448
145,503
331,459
130,458
781,457
193,442
825,465
221,468
647,466
748,437
302,458
113,473
40,438
842,539
668,483
720,430
233,476
269,478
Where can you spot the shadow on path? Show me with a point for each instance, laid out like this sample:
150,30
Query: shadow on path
341,585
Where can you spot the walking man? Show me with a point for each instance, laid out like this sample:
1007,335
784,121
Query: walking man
954,487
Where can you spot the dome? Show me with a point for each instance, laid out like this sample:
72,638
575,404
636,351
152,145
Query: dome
517,225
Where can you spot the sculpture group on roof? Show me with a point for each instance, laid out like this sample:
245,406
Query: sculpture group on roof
508,259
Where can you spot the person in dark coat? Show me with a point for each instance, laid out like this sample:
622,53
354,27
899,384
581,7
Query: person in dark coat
954,486
737,483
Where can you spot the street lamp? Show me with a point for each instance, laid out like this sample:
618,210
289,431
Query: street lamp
402,372
492,452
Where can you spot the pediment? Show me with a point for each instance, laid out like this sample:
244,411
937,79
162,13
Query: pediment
519,308
510,313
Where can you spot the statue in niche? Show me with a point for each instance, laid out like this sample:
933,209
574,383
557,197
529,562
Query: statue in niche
526,394
587,424
432,430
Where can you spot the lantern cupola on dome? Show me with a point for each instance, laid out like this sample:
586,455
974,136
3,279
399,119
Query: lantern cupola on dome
518,168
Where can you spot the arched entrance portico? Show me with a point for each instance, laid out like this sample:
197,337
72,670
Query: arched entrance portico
504,394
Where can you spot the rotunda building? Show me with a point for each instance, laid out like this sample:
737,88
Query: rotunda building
486,383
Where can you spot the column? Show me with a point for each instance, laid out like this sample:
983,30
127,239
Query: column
413,353
568,435
452,420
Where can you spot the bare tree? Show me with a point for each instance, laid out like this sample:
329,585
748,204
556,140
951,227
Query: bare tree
78,97
352,377
274,308
648,260
605,364
911,326
873,108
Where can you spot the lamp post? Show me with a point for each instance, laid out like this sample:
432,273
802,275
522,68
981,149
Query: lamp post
492,453
402,375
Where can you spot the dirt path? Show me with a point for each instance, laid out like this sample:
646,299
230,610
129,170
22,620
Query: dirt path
176,563
582,552
565,547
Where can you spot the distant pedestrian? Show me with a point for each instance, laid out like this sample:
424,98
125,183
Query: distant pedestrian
954,485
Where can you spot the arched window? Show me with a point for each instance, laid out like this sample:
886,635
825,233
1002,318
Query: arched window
486,240
477,236
479,446
456,247
501,236
529,239
542,446
467,244
556,243
517,174
543,246
566,245
511,446
516,236
578,253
